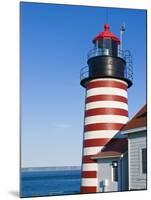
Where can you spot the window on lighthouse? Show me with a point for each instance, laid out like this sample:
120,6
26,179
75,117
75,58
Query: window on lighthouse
108,46
105,46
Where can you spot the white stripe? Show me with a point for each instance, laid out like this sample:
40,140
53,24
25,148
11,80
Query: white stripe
103,134
109,79
89,182
100,134
107,104
89,167
106,91
91,150
106,119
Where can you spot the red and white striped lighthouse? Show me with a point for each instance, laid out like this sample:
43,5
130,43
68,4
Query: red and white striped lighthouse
106,80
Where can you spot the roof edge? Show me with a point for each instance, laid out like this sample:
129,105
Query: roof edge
135,130
114,156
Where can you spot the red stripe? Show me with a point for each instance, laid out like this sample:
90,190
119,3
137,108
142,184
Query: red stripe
106,111
88,189
89,174
96,142
106,98
107,83
88,159
103,126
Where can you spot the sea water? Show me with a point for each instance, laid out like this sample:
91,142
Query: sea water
56,182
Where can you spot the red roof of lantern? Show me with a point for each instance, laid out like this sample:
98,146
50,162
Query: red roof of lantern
106,34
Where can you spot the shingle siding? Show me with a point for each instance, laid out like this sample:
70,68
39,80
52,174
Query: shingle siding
136,141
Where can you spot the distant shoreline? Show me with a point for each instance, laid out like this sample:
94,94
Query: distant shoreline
30,169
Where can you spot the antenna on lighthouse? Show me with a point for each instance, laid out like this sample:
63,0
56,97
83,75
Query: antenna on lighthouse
122,30
107,15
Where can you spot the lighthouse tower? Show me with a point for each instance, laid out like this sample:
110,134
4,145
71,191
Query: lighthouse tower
106,80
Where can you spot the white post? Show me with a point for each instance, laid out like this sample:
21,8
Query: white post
122,29
121,34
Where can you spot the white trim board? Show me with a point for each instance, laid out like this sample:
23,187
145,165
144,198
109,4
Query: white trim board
135,130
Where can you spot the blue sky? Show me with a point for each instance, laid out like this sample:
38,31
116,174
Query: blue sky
55,40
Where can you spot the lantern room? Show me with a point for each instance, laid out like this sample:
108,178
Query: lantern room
107,60
107,42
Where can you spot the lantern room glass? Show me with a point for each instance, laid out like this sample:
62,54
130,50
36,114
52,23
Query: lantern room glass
107,46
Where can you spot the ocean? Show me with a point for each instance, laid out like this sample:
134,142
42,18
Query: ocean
50,182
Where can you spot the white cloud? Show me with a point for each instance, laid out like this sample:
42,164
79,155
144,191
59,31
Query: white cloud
62,125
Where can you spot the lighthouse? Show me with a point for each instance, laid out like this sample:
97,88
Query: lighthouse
106,80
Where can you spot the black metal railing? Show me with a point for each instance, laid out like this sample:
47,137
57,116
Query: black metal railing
126,55
105,52
128,72
84,73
